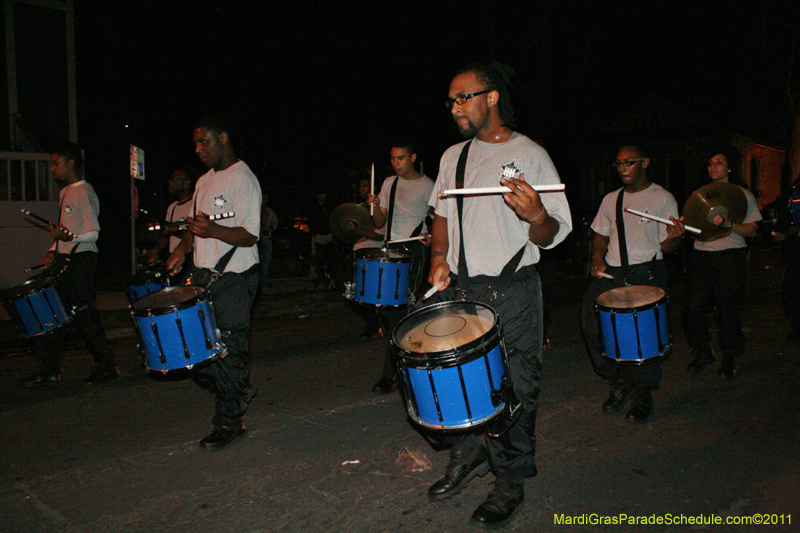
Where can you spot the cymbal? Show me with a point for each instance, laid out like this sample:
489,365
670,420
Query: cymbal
710,200
348,219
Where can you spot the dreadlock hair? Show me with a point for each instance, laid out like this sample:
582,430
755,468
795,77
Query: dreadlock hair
496,77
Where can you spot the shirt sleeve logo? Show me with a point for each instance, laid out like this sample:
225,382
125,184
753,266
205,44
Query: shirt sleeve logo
68,209
510,170
220,202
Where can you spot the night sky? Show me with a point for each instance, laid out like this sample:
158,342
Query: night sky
316,91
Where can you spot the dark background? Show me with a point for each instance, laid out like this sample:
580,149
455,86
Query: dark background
318,90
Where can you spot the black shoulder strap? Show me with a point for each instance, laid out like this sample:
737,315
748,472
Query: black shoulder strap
623,246
390,215
463,273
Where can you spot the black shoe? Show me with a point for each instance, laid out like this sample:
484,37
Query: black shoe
616,400
499,507
222,436
101,375
728,368
700,361
41,379
385,386
642,406
459,472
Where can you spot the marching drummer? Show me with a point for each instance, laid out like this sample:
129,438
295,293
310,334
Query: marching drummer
74,248
402,208
226,249
629,250
494,264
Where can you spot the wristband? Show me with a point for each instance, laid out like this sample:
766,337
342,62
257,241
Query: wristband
531,221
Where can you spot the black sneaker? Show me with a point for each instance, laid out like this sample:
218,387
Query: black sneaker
41,379
503,501
102,375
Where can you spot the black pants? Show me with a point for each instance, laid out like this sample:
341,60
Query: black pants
648,375
228,378
519,306
76,284
718,280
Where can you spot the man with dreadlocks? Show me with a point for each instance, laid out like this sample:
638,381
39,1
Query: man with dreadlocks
494,263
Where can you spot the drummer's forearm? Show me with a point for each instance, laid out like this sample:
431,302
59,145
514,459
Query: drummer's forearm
185,246
439,240
748,230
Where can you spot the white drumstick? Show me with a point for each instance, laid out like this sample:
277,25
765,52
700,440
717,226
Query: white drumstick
417,238
500,190
433,290
604,275
662,220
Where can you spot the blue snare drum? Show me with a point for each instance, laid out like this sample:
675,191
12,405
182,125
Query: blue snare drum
381,277
452,360
37,306
146,282
177,328
633,324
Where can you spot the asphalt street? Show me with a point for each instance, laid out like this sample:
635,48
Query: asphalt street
324,453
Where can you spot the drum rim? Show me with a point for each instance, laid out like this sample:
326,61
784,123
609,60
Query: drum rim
405,257
15,293
179,306
452,356
663,301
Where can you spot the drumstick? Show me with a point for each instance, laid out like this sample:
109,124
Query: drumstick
40,219
40,265
662,220
501,189
372,189
183,223
604,275
432,290
418,237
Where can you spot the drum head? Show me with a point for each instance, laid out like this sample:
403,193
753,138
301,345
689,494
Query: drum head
379,254
630,297
444,327
169,299
32,286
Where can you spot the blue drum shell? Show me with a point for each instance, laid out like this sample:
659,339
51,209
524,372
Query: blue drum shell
184,346
640,333
381,277
452,389
37,306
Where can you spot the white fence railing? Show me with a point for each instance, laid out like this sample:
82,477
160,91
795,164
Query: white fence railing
25,177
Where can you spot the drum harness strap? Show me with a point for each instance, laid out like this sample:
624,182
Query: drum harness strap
219,268
390,215
463,281
623,247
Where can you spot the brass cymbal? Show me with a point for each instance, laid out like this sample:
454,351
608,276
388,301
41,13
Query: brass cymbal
710,200
348,219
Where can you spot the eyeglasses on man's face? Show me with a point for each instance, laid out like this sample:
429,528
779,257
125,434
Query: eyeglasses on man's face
628,163
462,98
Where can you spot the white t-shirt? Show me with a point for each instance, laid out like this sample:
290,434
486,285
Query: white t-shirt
733,240
79,209
234,189
494,233
175,212
410,204
643,236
